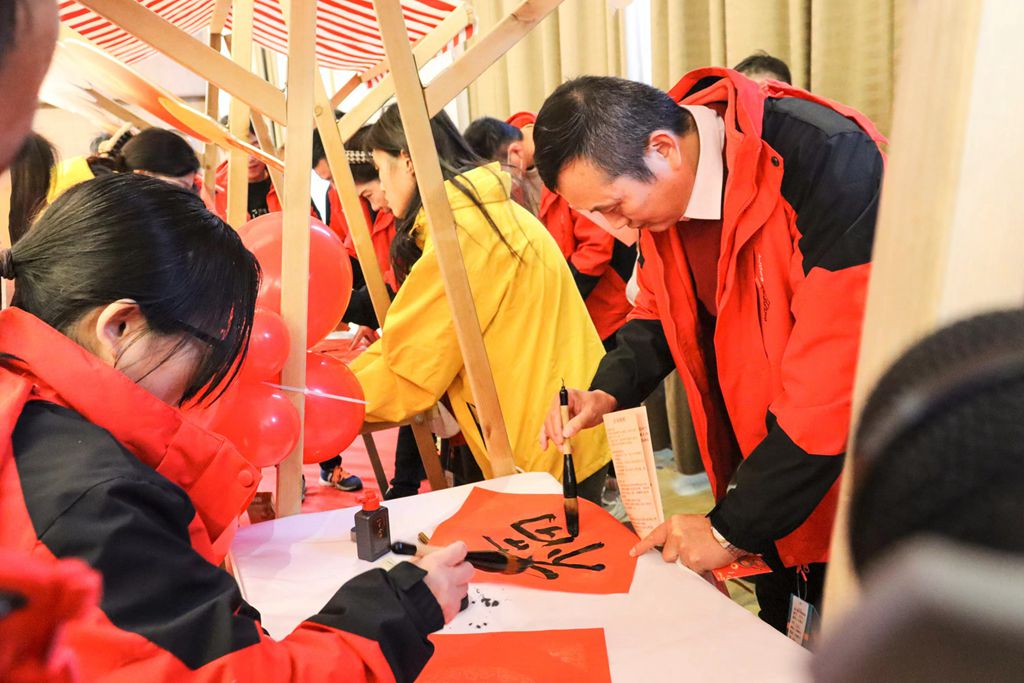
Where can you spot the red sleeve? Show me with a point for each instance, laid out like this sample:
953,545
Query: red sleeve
593,248
646,306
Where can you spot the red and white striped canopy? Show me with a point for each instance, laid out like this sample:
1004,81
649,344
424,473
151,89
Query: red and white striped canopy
347,35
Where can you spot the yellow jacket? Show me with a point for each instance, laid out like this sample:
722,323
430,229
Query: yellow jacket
536,330
67,174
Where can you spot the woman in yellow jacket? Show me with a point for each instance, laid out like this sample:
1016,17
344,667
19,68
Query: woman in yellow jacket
536,328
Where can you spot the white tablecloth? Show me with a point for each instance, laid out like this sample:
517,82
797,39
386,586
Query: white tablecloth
671,626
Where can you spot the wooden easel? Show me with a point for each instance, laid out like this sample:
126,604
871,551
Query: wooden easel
948,242
306,93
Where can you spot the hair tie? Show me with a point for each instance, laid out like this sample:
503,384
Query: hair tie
7,264
358,156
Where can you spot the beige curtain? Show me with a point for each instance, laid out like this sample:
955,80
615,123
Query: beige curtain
580,37
842,49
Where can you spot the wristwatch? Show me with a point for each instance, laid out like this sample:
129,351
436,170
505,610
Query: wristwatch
724,542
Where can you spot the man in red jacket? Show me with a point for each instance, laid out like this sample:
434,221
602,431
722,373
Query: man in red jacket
756,209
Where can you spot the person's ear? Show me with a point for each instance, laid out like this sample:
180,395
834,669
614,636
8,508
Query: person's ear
665,145
517,155
407,161
115,325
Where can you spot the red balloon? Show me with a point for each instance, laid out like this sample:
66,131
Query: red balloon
268,346
331,425
330,272
261,422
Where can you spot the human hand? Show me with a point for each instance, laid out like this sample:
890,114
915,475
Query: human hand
447,577
586,408
687,538
363,337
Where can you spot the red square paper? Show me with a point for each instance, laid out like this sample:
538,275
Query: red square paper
533,526
519,657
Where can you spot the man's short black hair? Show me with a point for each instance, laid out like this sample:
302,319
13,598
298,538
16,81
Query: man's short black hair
763,63
607,121
940,445
490,137
319,154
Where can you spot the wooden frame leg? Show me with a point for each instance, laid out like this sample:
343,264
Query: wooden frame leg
378,467
302,71
239,116
409,92
428,454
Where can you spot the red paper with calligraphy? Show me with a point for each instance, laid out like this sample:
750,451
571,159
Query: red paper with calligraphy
519,657
532,526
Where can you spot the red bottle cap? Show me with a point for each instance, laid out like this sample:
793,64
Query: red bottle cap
371,501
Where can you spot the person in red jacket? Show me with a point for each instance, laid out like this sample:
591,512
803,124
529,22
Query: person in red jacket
600,264
132,299
756,210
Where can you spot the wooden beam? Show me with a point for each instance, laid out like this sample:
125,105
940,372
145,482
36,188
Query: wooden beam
302,73
193,54
220,16
409,92
239,116
117,110
377,97
948,242
211,154
485,52
266,142
345,90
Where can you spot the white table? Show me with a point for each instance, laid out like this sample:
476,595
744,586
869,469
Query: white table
671,626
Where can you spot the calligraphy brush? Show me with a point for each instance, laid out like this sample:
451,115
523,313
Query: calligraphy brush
484,560
572,505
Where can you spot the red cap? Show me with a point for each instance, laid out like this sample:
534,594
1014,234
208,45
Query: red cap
522,119
371,501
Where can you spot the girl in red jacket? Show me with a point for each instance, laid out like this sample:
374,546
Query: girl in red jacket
131,299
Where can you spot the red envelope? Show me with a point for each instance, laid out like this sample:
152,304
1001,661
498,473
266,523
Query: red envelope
519,657
533,526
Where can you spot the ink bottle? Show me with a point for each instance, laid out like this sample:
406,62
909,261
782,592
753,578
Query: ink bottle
373,528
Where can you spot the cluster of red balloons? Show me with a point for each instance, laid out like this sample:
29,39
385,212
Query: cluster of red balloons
259,418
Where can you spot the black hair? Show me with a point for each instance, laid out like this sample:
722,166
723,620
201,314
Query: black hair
763,63
156,150
607,121
490,137
456,157
940,444
319,153
129,236
362,171
31,176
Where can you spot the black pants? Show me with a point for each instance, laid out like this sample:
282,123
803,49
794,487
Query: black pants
465,471
409,470
773,591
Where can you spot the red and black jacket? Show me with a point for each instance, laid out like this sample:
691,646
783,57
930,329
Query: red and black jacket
769,374
94,467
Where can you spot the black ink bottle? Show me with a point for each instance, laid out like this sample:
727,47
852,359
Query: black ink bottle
373,529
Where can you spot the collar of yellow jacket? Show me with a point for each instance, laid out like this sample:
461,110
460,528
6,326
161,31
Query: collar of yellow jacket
488,183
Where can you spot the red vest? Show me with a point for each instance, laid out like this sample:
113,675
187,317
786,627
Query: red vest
773,321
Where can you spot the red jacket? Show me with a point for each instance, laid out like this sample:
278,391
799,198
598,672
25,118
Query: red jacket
47,596
93,466
591,251
604,264
800,203
382,232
